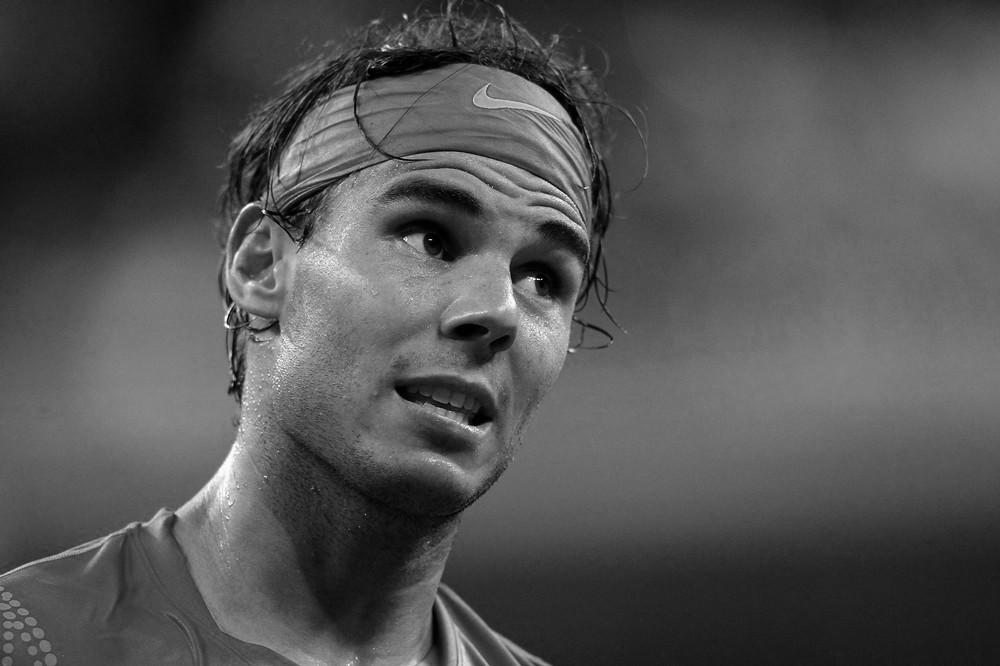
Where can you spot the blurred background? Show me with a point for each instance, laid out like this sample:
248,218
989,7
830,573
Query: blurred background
791,457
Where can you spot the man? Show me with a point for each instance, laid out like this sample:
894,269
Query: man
411,226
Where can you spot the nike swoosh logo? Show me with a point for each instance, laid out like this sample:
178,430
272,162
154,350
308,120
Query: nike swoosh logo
483,100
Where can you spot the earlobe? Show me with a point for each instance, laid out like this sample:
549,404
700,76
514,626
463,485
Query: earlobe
259,257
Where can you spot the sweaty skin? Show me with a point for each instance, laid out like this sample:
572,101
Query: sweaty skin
325,533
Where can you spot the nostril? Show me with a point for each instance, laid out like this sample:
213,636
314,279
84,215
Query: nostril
471,331
502,343
478,332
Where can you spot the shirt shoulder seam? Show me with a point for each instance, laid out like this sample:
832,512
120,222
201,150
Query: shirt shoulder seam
82,549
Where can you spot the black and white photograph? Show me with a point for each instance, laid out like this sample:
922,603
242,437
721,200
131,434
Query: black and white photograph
465,333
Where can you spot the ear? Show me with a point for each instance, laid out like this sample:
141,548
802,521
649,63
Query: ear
259,263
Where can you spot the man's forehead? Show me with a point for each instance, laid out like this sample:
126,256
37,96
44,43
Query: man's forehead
471,183
459,108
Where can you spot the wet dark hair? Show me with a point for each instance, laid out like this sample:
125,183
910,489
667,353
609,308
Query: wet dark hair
486,35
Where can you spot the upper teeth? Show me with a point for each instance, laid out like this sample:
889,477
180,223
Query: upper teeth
444,396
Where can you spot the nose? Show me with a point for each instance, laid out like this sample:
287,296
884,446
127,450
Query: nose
483,311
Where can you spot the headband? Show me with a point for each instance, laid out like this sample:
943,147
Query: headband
459,107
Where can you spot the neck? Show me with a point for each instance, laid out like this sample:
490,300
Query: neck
287,556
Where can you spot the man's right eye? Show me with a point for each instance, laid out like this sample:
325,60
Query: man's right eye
428,242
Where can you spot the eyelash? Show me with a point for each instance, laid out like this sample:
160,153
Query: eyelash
429,229
554,281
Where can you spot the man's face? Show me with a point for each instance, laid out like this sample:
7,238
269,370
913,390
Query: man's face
428,314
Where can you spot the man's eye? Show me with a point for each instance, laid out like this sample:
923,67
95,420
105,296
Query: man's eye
538,283
426,241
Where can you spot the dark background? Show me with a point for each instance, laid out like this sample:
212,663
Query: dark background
793,455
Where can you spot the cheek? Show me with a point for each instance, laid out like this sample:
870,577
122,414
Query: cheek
330,298
546,347
342,317
535,375
320,327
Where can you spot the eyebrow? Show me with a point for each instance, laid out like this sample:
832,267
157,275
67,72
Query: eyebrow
425,190
566,236
421,189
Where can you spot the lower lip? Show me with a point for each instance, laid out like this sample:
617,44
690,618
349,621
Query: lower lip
445,424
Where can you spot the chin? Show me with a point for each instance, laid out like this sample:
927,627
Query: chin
434,489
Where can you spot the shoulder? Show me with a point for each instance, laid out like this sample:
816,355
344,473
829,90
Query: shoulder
105,601
59,579
40,599
126,598
463,630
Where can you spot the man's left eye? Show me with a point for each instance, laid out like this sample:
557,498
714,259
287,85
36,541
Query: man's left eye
539,283
428,242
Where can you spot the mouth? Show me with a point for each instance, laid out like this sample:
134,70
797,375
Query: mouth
451,404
